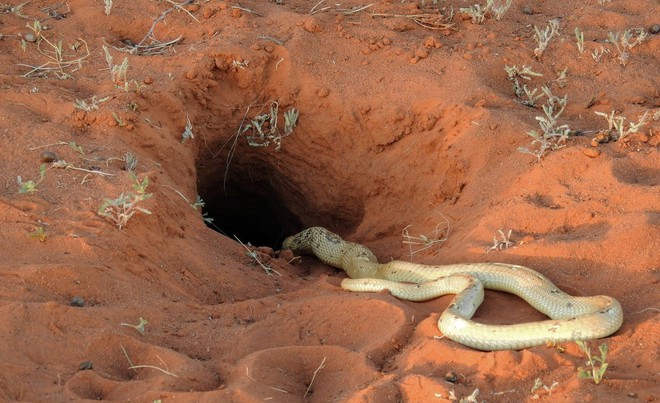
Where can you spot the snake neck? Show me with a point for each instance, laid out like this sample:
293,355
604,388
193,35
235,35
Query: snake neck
359,262
331,249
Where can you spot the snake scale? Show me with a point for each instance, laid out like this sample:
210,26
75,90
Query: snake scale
571,318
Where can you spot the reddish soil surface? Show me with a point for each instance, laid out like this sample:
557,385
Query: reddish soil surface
404,122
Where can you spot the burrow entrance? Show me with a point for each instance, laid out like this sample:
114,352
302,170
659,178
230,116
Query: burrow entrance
263,194
262,198
251,211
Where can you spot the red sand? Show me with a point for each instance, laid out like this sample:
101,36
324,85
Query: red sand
400,125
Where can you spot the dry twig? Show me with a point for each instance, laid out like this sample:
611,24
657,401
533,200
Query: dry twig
423,242
269,270
135,367
155,46
57,60
321,366
427,20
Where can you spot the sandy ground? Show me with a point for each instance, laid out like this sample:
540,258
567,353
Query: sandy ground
407,122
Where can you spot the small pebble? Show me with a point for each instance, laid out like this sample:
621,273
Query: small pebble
451,377
78,302
85,365
29,37
654,29
48,156
527,10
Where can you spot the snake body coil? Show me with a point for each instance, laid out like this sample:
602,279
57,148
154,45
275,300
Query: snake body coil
572,318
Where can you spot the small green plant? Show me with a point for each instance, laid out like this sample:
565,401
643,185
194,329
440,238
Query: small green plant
187,131
39,233
121,209
543,37
579,37
290,120
198,205
108,6
538,384
118,73
476,13
130,162
76,147
515,74
561,78
26,186
498,7
140,186
471,398
623,42
504,243
92,105
119,120
553,136
18,9
595,365
58,61
235,64
140,327
133,106
598,53
495,8
531,96
264,129
616,126
208,220
31,186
